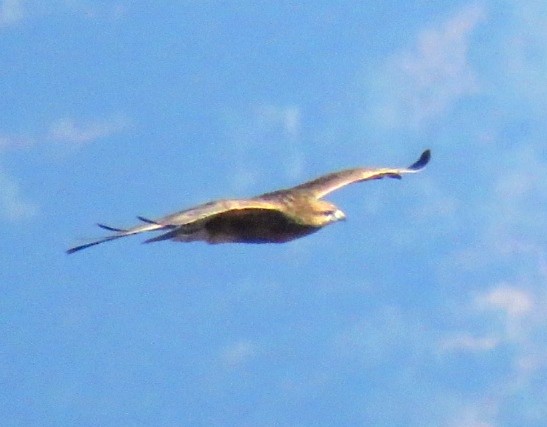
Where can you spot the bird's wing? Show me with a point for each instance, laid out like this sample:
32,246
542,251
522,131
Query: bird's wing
207,210
326,184
180,219
119,232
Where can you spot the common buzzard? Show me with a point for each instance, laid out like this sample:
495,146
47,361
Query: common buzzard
275,217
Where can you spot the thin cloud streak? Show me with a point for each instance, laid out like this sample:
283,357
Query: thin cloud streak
267,131
238,353
422,83
68,130
465,342
523,318
14,206
514,302
15,142
11,12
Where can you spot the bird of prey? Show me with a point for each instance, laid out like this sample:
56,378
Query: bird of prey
275,217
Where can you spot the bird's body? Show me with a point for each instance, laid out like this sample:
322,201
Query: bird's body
275,217
254,225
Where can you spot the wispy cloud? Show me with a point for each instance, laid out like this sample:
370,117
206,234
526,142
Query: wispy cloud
465,342
15,142
11,12
238,353
476,414
270,131
69,130
14,206
516,316
512,301
423,82
65,132
507,317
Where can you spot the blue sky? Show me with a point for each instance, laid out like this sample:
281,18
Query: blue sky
428,307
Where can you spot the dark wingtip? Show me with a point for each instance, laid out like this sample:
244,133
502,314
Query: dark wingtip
95,242
107,227
79,248
148,221
422,161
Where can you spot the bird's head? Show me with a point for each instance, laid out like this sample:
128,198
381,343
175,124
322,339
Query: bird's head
325,213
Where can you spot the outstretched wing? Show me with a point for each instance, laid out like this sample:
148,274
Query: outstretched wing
181,219
119,232
207,210
326,184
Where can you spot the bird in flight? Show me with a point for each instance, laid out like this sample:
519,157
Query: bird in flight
275,217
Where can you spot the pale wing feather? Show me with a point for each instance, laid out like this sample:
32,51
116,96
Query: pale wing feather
207,210
119,233
326,184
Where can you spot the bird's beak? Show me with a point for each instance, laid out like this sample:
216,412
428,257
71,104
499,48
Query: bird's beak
339,215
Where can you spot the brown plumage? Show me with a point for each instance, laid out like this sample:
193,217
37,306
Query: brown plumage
275,217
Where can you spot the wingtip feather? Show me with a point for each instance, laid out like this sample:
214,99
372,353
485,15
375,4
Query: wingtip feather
93,243
109,228
148,221
422,161
80,247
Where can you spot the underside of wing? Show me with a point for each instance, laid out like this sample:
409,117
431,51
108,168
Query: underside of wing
185,222
326,184
208,210
240,225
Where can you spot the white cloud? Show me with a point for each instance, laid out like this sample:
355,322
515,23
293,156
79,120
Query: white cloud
514,302
11,12
68,130
509,243
14,142
238,353
477,414
422,83
465,342
523,316
13,204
